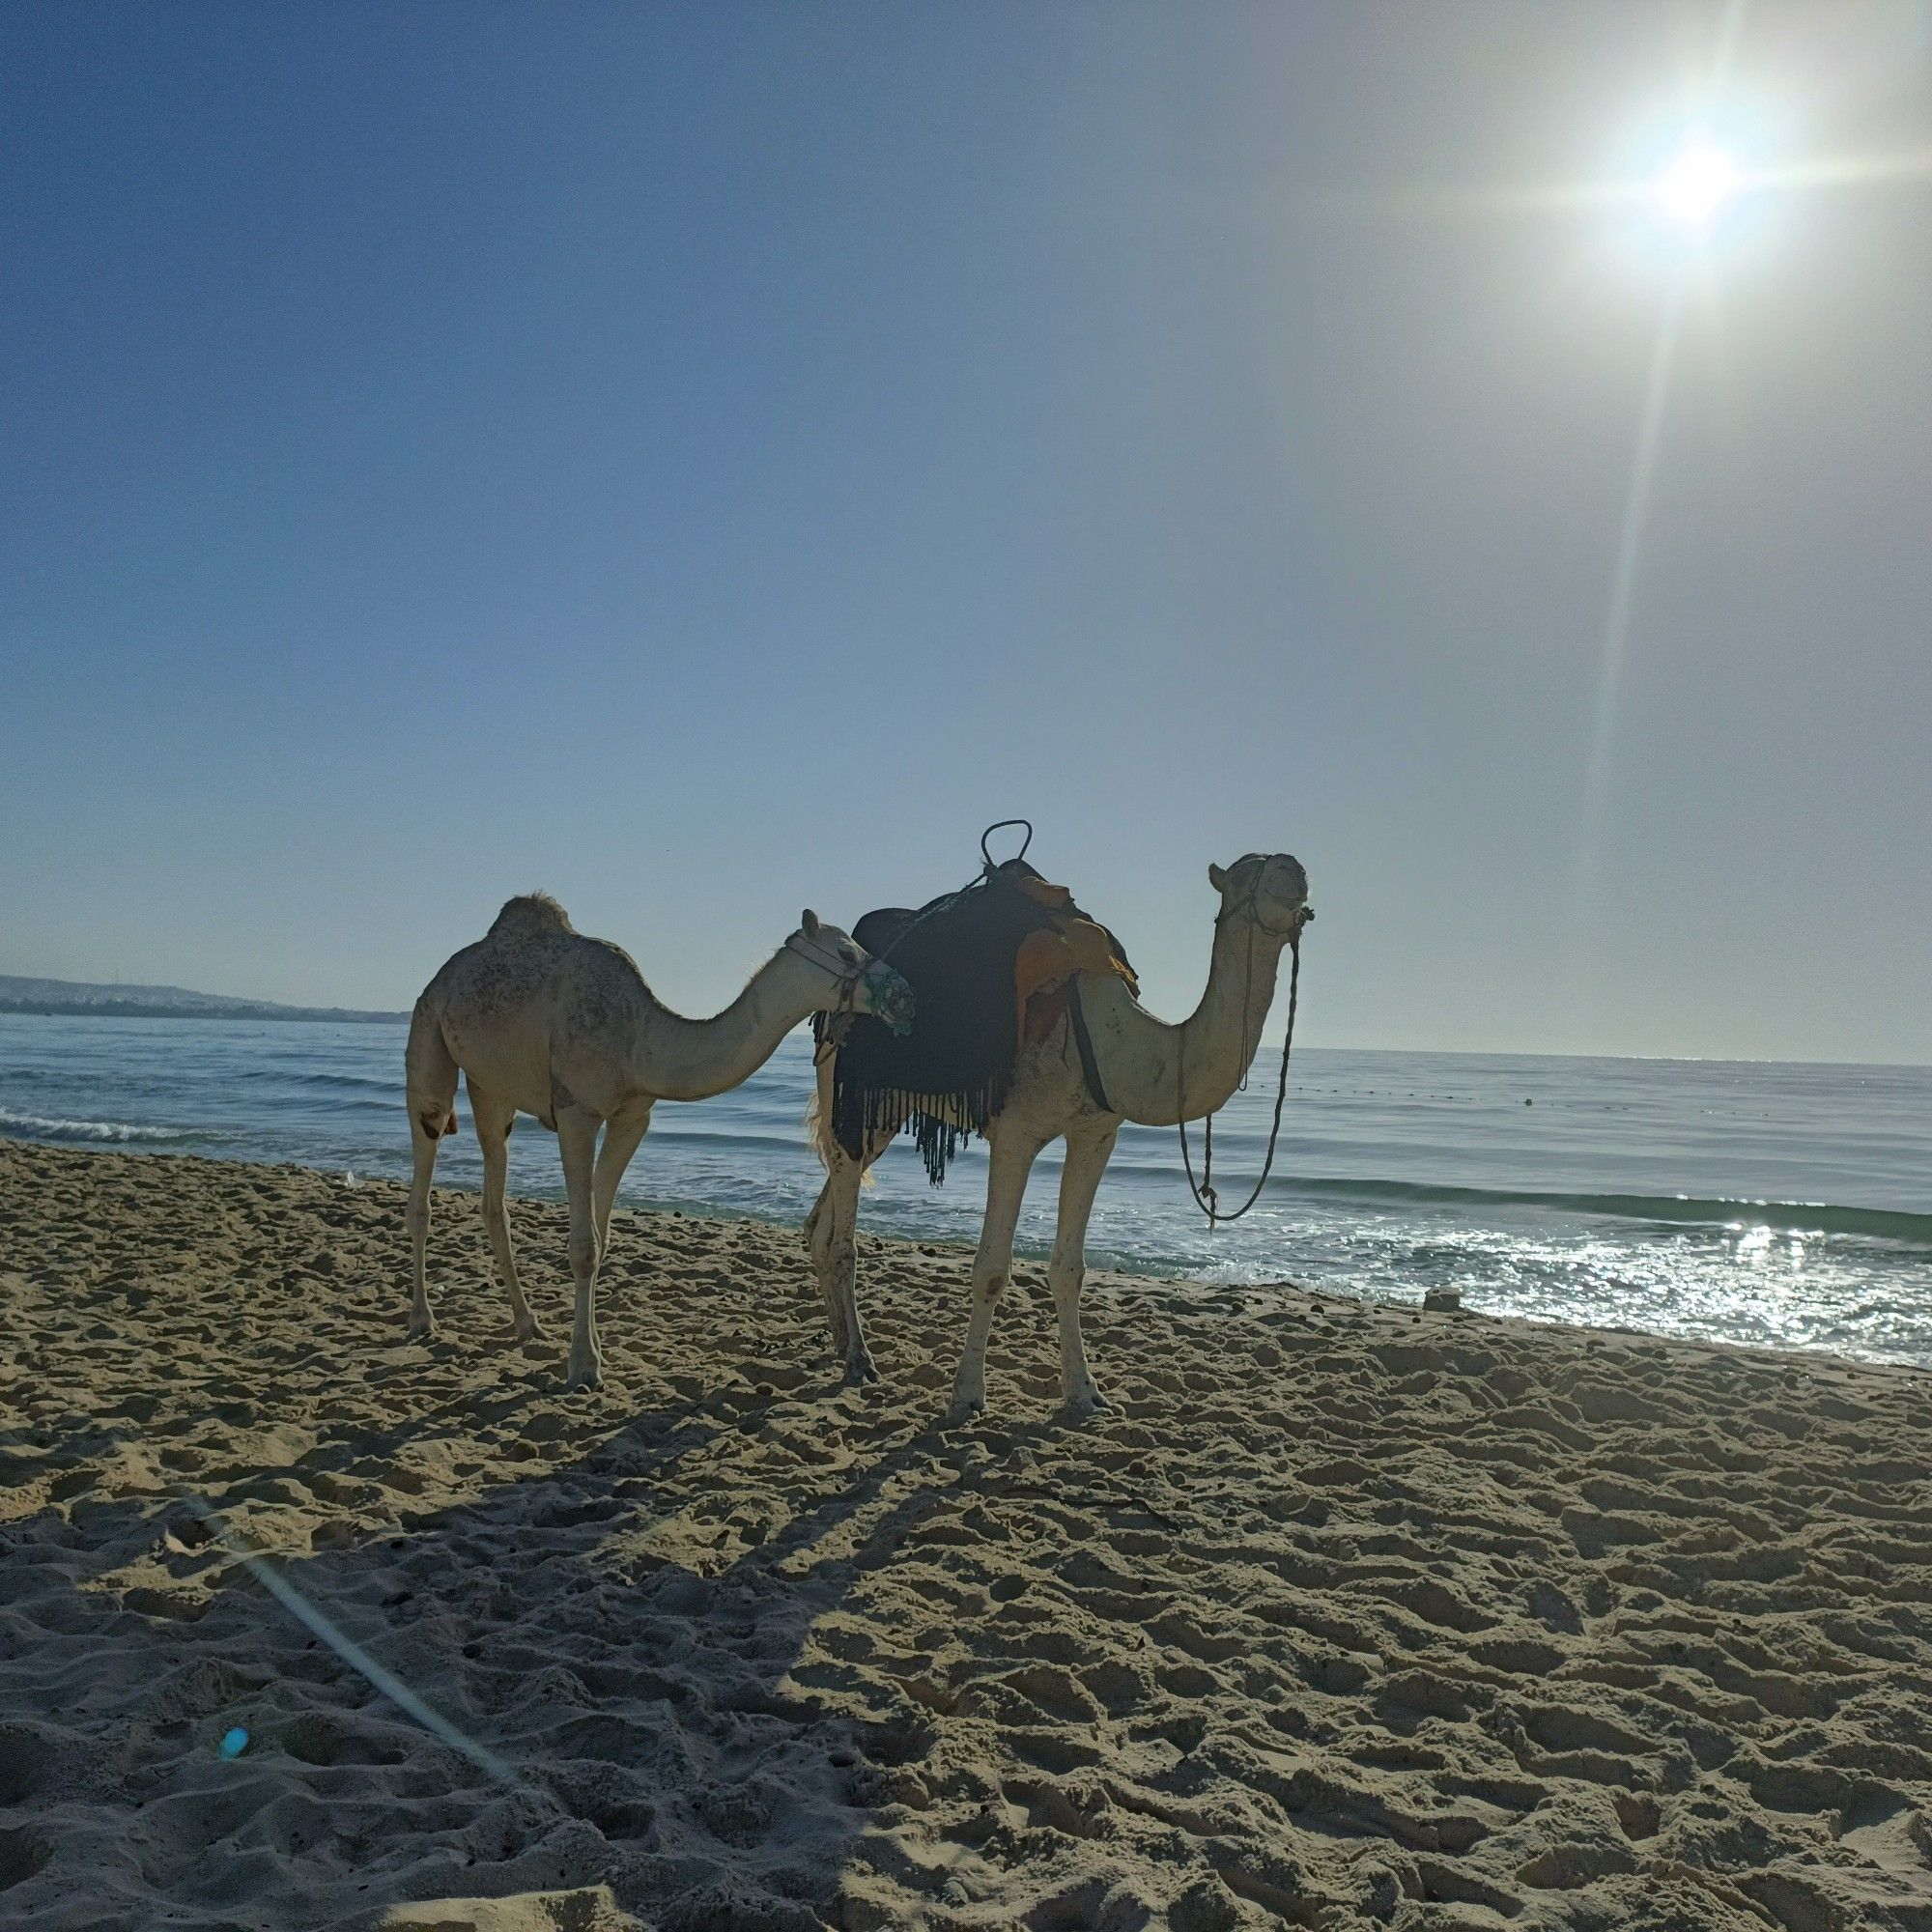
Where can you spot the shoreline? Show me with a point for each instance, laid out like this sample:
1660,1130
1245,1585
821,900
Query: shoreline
1115,1271
1344,1613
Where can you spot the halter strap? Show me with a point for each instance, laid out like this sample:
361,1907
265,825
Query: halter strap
848,978
1248,905
845,978
833,964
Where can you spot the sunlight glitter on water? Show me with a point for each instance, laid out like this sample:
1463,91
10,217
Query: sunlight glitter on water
1645,1194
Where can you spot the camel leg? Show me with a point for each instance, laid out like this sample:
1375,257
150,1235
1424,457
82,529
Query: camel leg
493,1121
841,1268
429,1079
832,1231
423,1145
818,1228
1011,1159
1086,1156
822,1223
577,1141
621,1136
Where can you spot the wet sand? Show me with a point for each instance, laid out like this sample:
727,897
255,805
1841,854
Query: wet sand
1343,1615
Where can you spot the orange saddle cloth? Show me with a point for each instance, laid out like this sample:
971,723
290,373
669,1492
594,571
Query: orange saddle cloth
1047,960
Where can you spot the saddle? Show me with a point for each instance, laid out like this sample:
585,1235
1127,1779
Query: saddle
992,969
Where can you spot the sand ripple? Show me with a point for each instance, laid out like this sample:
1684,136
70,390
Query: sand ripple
1343,1615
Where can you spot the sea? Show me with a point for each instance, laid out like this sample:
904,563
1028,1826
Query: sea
1751,1202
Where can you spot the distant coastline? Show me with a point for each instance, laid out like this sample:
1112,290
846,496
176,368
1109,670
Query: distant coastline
79,998
133,1009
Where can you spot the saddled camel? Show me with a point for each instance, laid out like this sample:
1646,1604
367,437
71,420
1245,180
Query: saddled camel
1151,1072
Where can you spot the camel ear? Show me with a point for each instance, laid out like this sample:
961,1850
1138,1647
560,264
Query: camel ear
1217,878
808,923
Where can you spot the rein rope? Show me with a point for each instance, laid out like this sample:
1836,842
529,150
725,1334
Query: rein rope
973,884
848,981
828,1047
1205,1197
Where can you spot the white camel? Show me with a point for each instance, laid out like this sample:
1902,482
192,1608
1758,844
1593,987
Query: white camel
540,1019
1153,1072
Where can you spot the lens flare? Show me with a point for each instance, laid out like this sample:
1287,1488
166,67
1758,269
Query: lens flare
1697,186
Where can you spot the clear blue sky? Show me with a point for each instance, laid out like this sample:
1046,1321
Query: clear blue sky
708,459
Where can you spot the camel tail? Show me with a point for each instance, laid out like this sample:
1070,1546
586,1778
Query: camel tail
430,1073
819,1127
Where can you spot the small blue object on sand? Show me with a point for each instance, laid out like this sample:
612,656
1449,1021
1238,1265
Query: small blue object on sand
235,1743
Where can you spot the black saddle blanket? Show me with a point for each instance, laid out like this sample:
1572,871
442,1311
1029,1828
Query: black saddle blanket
947,1078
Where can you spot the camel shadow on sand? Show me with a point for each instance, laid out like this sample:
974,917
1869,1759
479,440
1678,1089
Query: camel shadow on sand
616,1632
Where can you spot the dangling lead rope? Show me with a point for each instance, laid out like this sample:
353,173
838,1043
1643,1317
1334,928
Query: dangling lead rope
1202,1190
972,885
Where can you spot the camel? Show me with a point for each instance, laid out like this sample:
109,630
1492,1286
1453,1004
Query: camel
1151,1072
542,1020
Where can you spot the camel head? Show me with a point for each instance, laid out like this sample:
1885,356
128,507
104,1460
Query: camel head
1270,888
855,981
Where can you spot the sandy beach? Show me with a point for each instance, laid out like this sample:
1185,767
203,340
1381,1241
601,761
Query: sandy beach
1343,1614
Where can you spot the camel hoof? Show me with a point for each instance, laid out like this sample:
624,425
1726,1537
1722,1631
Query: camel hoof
586,1375
529,1329
421,1329
859,1369
1084,1406
964,1410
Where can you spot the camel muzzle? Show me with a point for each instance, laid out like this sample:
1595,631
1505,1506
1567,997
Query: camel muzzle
892,1003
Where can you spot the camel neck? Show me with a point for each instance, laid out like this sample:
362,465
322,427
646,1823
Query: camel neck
1157,1072
693,1058
1219,1039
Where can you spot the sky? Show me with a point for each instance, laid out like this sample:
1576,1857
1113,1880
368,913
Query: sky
706,461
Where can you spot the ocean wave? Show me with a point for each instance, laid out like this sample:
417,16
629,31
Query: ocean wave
38,1128
1886,1224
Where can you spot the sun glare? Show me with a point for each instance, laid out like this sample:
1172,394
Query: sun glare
1694,190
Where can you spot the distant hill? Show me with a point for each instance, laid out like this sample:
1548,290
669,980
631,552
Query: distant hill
154,1003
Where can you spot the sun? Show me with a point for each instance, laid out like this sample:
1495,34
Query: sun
1696,185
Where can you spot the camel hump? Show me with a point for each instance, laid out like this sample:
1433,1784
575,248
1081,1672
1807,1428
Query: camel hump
533,912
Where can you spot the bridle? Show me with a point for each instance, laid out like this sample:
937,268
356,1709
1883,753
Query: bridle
1252,905
846,977
1204,1196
